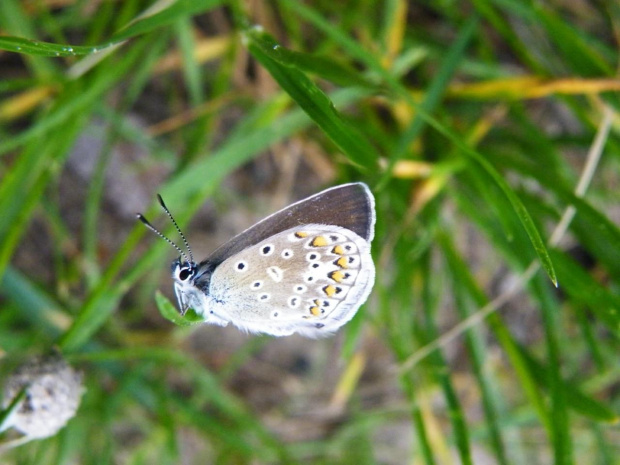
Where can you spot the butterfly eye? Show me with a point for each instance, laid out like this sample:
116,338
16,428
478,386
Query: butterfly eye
184,274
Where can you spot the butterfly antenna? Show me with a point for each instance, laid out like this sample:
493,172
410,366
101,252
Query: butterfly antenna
160,234
163,205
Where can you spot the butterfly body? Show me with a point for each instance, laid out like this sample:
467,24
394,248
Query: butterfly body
305,269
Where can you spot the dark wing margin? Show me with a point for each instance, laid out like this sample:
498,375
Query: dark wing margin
350,206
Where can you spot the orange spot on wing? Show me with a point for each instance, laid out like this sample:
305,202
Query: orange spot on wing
319,241
337,276
329,290
338,250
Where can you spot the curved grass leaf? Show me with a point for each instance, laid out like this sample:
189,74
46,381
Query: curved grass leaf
502,208
575,398
37,305
575,49
526,379
603,240
431,292
171,313
325,67
549,310
149,22
583,288
475,343
46,49
594,230
533,375
522,214
311,99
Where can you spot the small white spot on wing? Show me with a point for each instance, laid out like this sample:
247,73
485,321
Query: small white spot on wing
276,273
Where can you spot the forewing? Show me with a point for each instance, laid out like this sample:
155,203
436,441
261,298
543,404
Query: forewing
348,206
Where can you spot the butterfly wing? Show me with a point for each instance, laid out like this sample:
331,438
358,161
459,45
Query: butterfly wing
349,206
309,279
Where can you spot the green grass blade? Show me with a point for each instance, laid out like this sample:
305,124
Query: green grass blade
575,398
46,49
441,371
527,381
179,9
585,290
574,49
15,21
76,100
324,67
37,306
523,215
22,191
311,99
475,344
603,241
191,69
515,203
550,311
534,373
171,313
435,92
151,21
11,408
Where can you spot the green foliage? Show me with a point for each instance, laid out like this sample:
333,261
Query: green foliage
171,313
474,124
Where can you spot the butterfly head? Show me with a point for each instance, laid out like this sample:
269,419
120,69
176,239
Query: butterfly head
182,270
183,274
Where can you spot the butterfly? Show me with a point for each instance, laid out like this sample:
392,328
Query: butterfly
305,269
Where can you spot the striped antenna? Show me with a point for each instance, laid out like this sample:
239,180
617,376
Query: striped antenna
189,259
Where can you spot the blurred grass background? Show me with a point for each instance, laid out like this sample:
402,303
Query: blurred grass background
489,133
